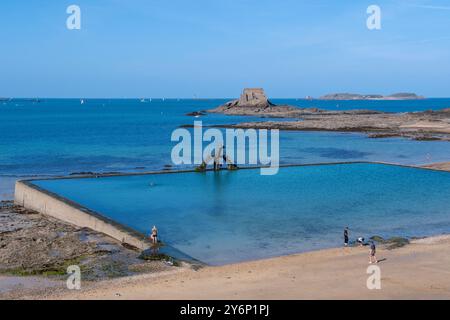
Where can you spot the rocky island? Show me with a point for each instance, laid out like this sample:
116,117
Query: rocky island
428,125
355,96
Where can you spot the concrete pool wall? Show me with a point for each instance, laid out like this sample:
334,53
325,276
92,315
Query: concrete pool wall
34,198
31,196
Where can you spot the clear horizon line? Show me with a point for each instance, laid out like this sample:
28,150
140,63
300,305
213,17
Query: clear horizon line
304,97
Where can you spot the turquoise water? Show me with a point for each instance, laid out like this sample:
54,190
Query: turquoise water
230,216
61,136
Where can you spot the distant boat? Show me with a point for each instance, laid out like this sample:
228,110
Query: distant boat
143,100
81,101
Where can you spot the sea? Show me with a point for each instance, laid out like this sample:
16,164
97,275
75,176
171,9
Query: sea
59,137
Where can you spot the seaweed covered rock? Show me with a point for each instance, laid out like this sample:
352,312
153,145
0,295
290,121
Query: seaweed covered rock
154,254
391,243
396,242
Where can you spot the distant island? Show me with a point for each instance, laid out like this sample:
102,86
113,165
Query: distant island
355,96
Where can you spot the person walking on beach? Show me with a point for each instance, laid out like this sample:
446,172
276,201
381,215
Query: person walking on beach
154,235
346,236
372,257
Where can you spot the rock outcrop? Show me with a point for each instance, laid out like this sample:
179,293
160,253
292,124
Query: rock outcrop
251,102
252,98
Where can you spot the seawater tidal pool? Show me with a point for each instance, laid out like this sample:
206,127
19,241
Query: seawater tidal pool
231,216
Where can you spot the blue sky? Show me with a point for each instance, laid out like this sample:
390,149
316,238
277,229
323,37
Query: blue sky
214,48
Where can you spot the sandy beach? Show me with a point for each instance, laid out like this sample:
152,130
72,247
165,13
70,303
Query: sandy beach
416,271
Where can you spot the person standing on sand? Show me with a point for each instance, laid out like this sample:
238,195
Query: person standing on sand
346,236
372,257
154,235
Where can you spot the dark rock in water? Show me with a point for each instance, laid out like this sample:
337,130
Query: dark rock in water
90,173
377,239
82,173
426,138
383,135
196,113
